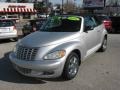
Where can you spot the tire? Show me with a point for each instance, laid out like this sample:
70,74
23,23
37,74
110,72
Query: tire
104,45
71,66
14,39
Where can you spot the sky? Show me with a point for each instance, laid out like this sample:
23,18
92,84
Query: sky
2,0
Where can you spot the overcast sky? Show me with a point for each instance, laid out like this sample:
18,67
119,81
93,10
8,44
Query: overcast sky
2,0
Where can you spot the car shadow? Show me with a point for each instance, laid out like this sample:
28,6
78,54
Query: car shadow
5,41
8,74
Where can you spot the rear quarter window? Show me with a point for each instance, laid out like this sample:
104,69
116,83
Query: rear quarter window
6,23
12,16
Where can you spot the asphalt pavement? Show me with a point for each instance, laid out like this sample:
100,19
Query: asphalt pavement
99,72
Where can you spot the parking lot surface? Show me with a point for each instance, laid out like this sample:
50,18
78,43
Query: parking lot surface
99,72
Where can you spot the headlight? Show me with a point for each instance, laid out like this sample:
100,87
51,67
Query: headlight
15,49
16,46
55,55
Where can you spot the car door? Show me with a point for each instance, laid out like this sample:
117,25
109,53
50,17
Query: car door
90,33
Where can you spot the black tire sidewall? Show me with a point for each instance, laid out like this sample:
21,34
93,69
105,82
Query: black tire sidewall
102,49
66,74
105,40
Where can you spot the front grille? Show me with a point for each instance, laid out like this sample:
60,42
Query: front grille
25,53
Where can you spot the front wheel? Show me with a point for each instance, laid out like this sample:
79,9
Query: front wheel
71,66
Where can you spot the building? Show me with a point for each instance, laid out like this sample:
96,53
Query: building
18,1
25,1
22,10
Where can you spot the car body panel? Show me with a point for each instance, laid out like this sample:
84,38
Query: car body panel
39,39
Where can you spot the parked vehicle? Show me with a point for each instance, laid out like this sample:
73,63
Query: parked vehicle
115,23
32,26
10,17
107,22
8,30
59,47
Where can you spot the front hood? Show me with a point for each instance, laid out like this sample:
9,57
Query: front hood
40,39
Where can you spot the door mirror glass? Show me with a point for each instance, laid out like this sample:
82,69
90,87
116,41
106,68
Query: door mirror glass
88,28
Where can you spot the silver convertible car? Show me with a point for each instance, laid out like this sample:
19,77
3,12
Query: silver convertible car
59,46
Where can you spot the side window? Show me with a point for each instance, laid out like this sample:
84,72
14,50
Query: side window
90,22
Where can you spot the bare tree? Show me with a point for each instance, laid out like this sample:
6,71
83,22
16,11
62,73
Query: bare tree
8,0
69,6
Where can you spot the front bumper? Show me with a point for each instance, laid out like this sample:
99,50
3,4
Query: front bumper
40,68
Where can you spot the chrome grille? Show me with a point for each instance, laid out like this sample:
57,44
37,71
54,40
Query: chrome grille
25,53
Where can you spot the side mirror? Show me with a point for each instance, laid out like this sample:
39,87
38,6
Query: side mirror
87,28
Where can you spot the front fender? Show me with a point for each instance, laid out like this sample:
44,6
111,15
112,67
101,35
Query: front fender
71,46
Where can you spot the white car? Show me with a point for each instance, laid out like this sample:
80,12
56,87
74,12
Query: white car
59,46
8,30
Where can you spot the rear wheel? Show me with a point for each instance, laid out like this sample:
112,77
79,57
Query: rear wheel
104,45
71,66
14,39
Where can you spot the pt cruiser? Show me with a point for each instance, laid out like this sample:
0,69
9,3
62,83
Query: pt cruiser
59,47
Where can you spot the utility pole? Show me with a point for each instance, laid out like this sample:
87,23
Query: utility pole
62,6
104,3
46,6
67,2
74,5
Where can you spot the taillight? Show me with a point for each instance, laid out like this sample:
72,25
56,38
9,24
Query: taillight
108,24
14,27
34,29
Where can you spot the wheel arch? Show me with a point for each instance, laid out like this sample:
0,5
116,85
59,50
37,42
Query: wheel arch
78,52
106,36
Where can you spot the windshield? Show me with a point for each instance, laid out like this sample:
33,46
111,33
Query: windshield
6,23
62,24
